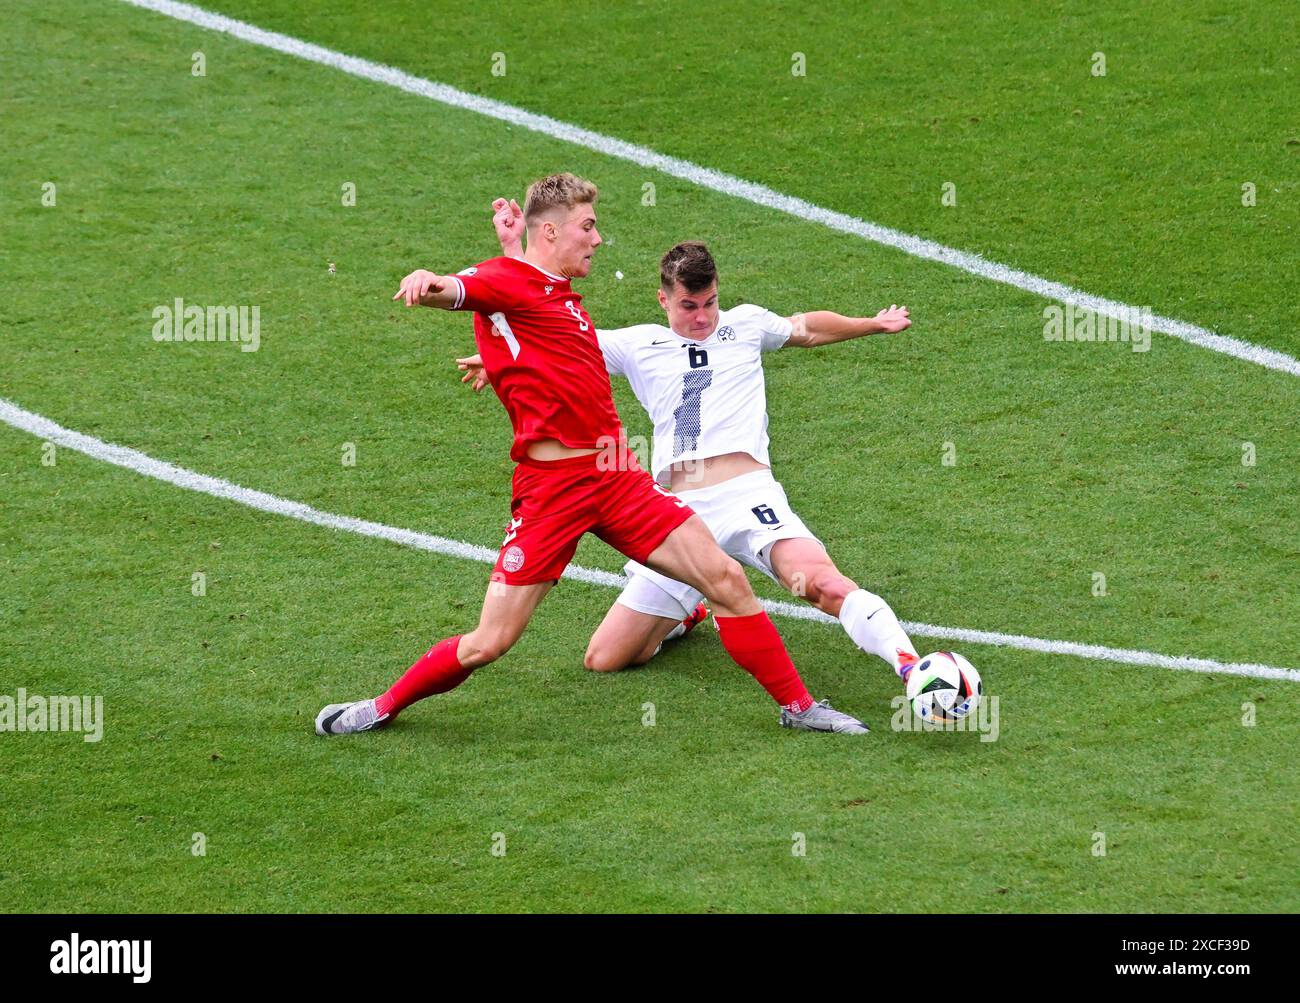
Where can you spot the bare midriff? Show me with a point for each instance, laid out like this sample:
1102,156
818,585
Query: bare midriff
554,449
691,475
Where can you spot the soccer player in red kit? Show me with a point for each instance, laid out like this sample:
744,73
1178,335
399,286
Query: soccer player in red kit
573,474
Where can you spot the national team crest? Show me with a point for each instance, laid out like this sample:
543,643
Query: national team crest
514,559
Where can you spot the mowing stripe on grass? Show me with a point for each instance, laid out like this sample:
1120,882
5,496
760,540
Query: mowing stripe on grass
719,182
134,460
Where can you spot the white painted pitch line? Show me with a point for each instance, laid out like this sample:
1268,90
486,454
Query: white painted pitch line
138,462
719,182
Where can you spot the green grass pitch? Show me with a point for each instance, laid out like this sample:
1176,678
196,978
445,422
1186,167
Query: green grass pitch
1071,460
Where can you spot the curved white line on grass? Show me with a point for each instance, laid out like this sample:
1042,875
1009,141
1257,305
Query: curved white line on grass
718,181
136,461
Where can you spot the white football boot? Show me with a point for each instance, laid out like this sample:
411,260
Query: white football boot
346,718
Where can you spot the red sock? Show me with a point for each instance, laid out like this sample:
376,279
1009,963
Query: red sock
757,648
437,671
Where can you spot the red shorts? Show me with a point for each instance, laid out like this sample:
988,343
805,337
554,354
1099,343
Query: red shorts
554,502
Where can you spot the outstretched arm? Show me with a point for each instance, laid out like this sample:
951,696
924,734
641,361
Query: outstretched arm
508,219
422,288
822,327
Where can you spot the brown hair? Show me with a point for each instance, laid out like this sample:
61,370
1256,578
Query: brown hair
689,263
567,190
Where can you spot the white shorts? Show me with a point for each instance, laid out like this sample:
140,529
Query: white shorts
746,515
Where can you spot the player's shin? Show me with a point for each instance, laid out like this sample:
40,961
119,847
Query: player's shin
874,628
754,645
436,671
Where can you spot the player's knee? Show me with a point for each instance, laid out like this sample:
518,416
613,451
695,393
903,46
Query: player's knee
602,659
731,587
480,650
829,590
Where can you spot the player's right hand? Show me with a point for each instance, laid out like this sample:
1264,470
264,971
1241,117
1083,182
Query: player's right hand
473,369
895,319
508,219
418,285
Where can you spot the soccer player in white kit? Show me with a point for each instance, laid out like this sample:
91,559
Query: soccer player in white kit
700,379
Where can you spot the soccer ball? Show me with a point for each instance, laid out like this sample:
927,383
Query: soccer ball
943,687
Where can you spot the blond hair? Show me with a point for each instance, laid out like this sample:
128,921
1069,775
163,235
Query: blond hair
567,190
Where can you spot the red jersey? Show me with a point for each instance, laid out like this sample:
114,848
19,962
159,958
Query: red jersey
540,353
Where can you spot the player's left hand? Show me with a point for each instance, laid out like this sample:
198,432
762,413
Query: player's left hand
473,370
508,219
894,319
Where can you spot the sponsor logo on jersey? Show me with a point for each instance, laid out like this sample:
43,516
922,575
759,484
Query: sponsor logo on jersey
514,559
726,333
548,289
473,269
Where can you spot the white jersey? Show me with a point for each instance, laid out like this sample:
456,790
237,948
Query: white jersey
706,398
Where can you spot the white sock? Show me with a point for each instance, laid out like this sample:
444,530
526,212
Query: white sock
874,628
